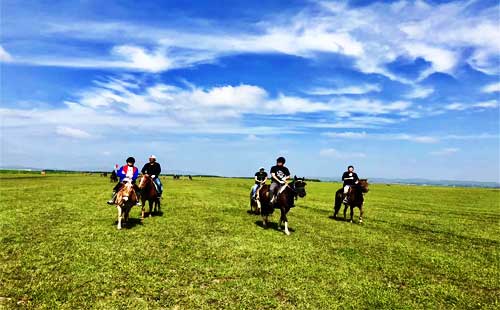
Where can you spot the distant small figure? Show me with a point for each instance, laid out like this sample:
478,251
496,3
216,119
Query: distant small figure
113,178
190,178
43,172
105,174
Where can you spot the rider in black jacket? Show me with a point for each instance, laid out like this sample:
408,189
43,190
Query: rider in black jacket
153,169
349,178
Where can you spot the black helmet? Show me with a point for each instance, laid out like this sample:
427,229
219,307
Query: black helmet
351,166
131,160
281,159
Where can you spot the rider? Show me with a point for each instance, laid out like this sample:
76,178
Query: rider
350,178
153,169
126,173
260,179
279,177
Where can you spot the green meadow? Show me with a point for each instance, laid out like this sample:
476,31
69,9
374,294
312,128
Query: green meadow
418,248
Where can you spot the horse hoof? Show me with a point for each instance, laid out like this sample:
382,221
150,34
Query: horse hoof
287,233
350,221
119,227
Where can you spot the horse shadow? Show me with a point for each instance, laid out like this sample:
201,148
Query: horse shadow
131,223
338,218
153,214
272,225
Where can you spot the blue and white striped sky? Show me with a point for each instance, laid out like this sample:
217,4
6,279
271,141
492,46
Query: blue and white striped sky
400,89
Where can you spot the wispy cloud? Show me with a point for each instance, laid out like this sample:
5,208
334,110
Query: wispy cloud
491,104
331,152
349,90
446,151
4,55
491,88
419,92
373,36
72,132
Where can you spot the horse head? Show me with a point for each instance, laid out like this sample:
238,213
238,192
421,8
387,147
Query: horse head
363,184
299,185
126,194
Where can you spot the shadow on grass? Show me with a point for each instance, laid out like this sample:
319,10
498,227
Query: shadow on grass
131,223
272,225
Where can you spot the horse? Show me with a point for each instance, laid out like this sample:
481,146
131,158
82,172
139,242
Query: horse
126,198
113,178
355,198
149,194
284,200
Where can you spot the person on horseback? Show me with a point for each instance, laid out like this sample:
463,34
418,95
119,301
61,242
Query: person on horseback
260,179
349,178
279,177
127,173
153,169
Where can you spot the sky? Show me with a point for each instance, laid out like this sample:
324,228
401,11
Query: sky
399,89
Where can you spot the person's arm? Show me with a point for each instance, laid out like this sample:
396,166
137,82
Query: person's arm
136,174
144,169
273,175
355,178
264,181
255,178
119,173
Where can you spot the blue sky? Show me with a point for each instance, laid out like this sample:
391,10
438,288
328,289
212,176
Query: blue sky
400,89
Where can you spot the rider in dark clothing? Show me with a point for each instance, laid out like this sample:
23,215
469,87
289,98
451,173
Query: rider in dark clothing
349,178
279,176
153,169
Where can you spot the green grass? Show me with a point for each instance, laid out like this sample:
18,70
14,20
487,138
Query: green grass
419,248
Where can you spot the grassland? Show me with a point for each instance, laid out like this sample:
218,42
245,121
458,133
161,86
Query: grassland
419,248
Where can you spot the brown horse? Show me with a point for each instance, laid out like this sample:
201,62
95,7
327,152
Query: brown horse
355,199
284,200
126,198
149,194
113,178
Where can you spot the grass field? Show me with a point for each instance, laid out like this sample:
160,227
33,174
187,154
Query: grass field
419,248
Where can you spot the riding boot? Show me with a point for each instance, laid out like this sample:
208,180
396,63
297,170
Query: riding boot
112,200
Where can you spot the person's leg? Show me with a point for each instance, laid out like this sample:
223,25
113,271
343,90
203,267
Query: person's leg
273,190
254,190
346,191
116,189
159,186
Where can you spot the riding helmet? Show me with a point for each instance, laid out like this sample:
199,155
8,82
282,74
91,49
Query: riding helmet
131,160
281,159
351,166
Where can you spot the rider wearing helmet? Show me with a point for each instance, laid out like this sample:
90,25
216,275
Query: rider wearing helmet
126,173
153,169
279,177
349,178
260,179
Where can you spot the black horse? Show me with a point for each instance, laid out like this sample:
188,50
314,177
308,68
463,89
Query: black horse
355,199
284,200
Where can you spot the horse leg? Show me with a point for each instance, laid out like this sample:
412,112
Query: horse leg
150,208
361,214
285,219
345,212
258,207
142,210
352,213
119,226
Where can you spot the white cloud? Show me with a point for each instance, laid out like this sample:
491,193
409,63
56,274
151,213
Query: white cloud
383,136
491,88
420,92
331,152
372,35
72,132
445,151
491,104
4,55
349,90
